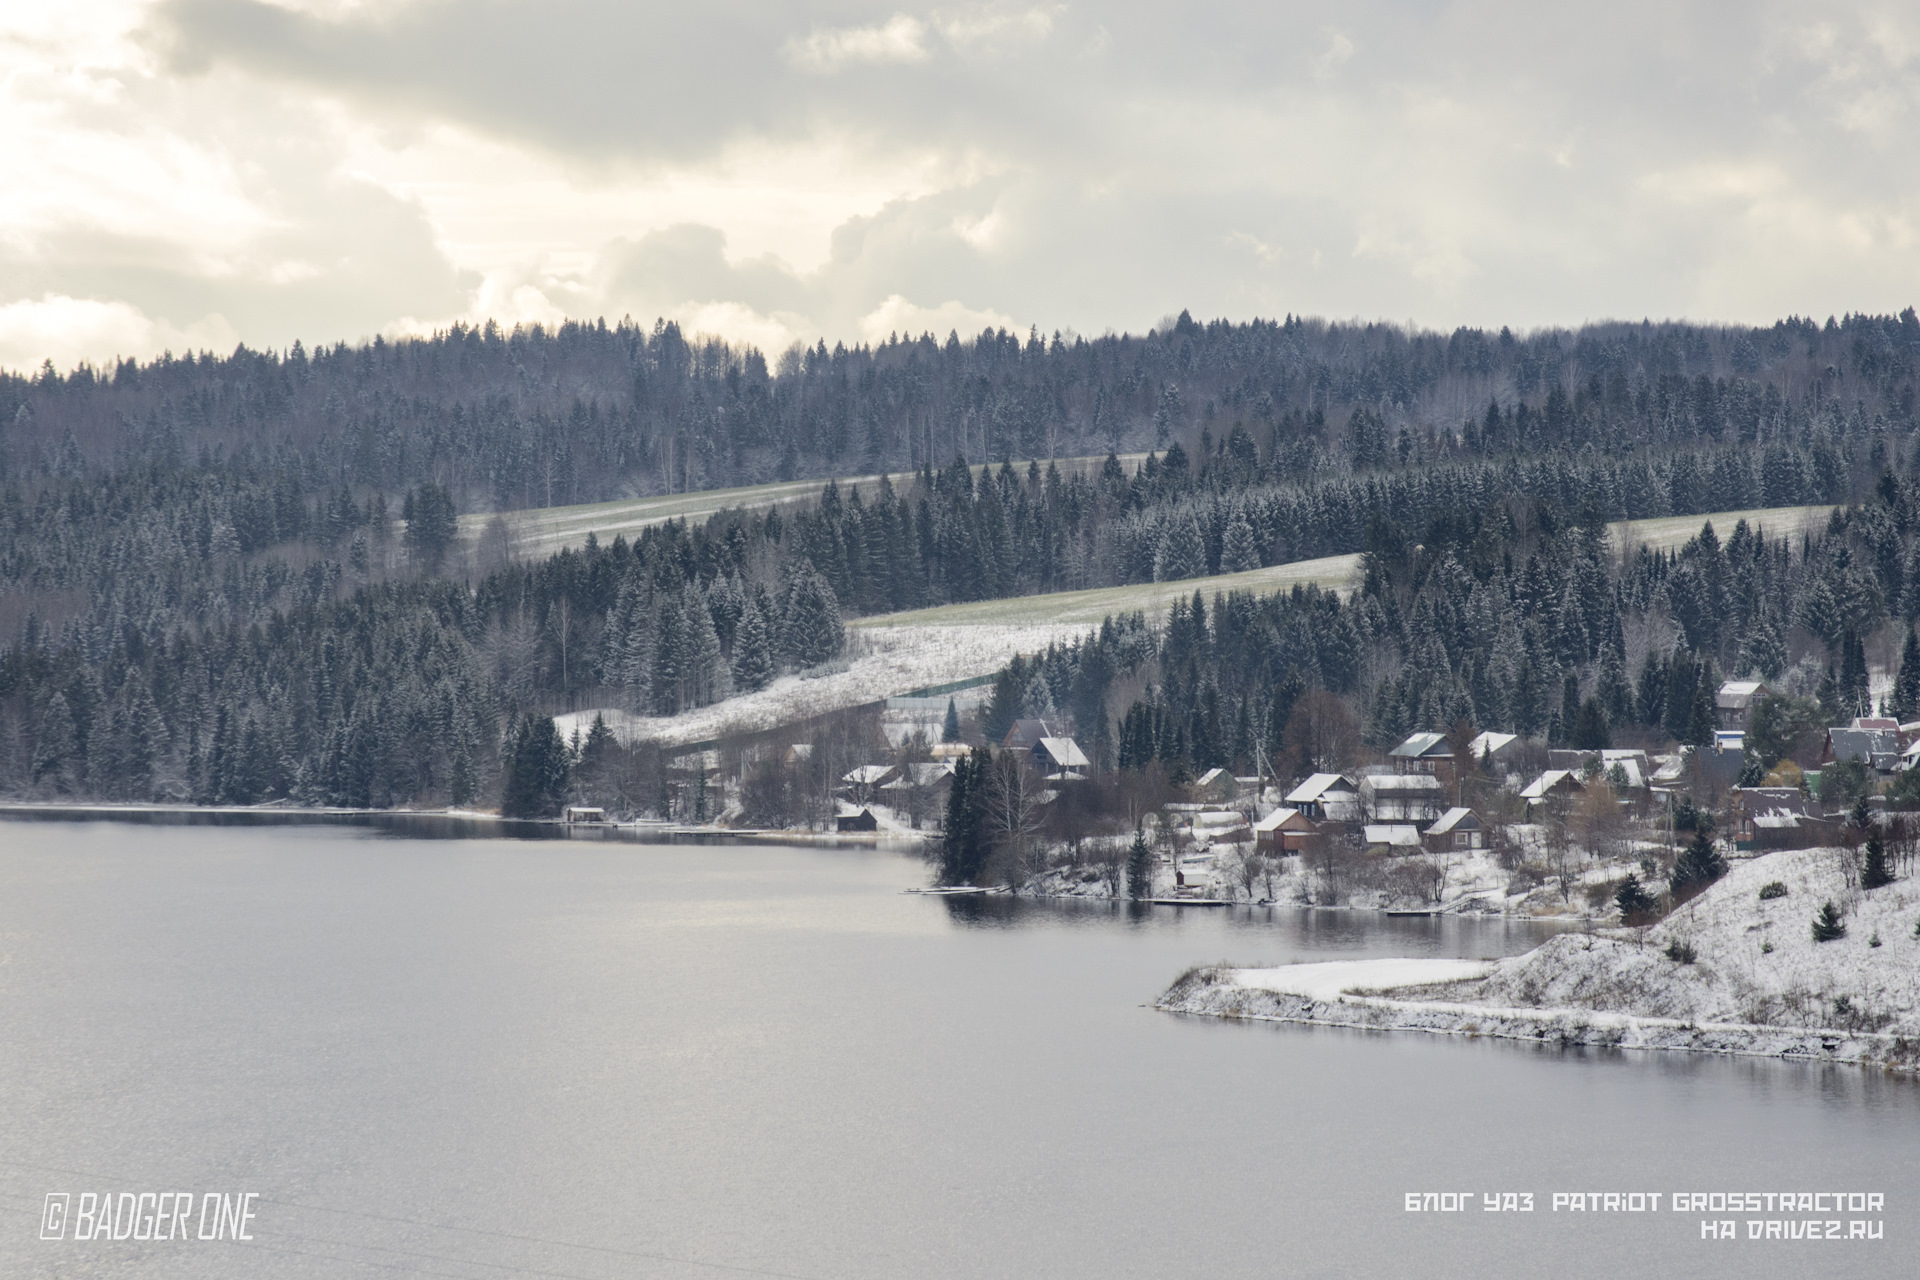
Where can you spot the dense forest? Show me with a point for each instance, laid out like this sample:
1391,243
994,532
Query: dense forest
240,578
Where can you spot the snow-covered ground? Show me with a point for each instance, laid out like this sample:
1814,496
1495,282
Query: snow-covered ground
897,660
1757,982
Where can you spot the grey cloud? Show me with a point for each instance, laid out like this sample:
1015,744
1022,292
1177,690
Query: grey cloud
1459,162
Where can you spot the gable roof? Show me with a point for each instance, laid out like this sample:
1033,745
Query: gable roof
1847,743
1317,786
1422,745
1065,752
1550,781
1739,693
1491,743
1392,834
866,774
1455,819
1022,734
1284,819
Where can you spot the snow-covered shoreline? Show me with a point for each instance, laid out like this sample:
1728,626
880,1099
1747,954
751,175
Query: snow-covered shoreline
1757,983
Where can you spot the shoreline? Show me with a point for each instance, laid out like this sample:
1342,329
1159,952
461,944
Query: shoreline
480,821
1263,995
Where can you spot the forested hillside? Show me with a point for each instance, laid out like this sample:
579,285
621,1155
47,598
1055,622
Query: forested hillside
235,579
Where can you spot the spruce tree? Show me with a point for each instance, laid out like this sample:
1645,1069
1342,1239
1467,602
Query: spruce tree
538,773
1239,550
1182,552
1139,867
1698,866
1590,730
1828,926
1875,873
950,728
1904,705
1635,903
753,665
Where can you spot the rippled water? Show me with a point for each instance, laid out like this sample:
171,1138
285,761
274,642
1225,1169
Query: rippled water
474,1057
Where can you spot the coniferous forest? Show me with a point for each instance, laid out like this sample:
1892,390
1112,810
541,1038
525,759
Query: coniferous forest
232,579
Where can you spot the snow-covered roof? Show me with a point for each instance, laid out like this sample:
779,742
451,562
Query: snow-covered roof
1391,834
1551,780
1220,820
1848,743
926,775
1317,786
1404,783
1277,819
1491,743
1065,752
1213,777
1066,775
1630,769
1422,744
866,775
1735,694
1454,819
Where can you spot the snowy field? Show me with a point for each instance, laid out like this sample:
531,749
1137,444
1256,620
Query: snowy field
542,531
896,659
1670,533
1337,573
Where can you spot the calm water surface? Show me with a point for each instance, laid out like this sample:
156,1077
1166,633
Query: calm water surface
497,1058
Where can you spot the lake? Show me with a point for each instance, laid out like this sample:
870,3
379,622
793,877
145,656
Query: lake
583,1058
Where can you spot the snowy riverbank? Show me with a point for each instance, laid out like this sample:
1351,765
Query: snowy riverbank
1758,983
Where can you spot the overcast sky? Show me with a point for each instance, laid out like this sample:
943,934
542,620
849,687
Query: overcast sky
194,173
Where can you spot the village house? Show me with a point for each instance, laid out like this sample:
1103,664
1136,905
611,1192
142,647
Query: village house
1457,831
1215,784
1877,747
1285,831
1554,787
1735,701
1427,753
1326,797
1390,837
863,781
1766,818
1418,798
1495,752
1026,734
1061,759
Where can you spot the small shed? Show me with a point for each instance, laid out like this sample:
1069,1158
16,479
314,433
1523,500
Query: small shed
861,821
584,814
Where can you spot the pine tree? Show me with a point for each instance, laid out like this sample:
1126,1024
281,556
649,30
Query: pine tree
1875,873
1828,926
950,728
1139,867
